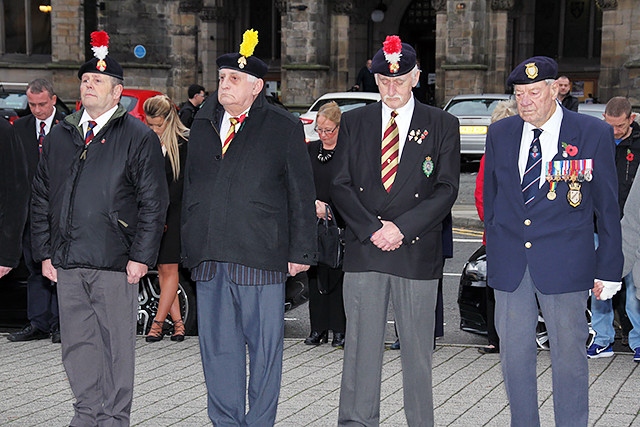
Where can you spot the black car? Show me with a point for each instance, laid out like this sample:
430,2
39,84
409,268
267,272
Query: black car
14,103
473,306
13,299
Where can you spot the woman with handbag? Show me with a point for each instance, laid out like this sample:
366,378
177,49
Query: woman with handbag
162,118
326,308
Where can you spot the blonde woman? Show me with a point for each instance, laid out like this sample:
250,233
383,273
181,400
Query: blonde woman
162,118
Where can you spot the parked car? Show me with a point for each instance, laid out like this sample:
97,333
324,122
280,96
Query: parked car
346,101
14,103
472,301
474,114
13,299
595,110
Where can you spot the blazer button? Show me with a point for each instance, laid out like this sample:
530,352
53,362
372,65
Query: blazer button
416,195
361,189
527,245
527,222
413,242
218,157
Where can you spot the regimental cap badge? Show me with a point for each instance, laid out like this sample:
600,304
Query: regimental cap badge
100,48
245,60
394,58
392,48
248,45
531,70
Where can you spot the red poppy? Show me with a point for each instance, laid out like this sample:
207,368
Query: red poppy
630,157
571,150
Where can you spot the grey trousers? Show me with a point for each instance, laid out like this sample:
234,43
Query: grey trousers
98,330
564,315
366,298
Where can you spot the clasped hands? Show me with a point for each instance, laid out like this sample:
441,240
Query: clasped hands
388,237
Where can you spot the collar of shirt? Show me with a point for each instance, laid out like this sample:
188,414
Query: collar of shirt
548,142
100,120
48,122
403,120
226,124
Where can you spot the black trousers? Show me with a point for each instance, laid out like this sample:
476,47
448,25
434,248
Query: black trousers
326,308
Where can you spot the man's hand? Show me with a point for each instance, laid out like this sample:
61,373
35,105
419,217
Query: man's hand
321,209
135,272
49,271
605,290
387,238
297,268
4,270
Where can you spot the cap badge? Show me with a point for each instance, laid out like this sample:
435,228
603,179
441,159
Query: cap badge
531,70
392,48
100,48
249,43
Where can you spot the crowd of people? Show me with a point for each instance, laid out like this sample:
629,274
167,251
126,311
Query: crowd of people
228,189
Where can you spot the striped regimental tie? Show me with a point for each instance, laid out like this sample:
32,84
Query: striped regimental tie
232,132
531,177
390,150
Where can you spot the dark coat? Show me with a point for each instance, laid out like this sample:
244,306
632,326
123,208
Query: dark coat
187,113
14,195
102,205
562,257
627,169
570,102
417,203
255,206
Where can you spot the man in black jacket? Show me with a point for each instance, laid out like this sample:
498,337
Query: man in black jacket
97,214
42,298
567,100
248,220
190,108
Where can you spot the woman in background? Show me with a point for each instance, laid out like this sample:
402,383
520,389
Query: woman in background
162,118
326,308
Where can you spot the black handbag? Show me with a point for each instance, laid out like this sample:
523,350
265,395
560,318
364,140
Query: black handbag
330,241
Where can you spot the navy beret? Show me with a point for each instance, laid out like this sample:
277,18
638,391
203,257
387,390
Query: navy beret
394,58
533,70
109,67
250,65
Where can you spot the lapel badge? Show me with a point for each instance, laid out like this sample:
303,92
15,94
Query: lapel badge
418,135
531,70
427,166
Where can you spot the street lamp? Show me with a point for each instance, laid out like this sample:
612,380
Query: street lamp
378,13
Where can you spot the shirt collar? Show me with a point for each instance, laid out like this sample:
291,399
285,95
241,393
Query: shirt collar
100,120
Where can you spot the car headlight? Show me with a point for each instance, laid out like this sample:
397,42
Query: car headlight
476,271
473,130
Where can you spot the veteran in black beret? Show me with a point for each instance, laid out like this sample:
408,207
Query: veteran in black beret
548,173
97,215
248,222
396,179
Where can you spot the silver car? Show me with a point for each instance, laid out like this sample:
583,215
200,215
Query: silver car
474,114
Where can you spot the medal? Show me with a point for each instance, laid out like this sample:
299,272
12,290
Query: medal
574,196
427,166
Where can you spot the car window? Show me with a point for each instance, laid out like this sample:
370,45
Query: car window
128,102
344,104
472,107
14,101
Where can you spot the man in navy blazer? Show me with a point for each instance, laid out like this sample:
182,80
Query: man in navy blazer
394,233
42,298
541,246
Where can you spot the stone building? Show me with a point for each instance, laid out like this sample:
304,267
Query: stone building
317,46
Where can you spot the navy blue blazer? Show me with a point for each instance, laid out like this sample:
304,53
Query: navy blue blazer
561,256
418,202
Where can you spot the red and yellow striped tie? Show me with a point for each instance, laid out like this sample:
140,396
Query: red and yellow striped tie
232,132
390,149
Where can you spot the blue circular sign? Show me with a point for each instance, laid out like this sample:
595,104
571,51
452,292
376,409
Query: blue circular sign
139,51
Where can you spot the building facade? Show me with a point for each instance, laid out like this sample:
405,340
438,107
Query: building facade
317,46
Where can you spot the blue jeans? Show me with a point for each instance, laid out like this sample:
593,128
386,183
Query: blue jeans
602,316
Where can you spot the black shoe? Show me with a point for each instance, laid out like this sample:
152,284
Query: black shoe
338,339
178,331
29,333
317,338
156,333
55,337
490,349
395,345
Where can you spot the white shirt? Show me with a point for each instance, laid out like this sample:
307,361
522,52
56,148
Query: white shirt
548,143
226,124
403,121
100,120
48,122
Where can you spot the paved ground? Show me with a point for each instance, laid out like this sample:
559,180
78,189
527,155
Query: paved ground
170,391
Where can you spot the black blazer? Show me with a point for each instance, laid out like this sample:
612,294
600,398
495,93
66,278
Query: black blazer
418,202
26,133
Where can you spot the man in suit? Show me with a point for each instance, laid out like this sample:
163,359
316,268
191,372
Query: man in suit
14,190
548,172
396,180
42,299
248,220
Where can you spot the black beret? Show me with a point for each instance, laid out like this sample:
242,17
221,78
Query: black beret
250,65
533,70
394,58
109,67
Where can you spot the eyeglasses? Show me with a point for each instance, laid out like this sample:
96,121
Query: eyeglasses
325,131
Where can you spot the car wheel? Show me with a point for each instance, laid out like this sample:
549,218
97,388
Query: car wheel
149,296
542,337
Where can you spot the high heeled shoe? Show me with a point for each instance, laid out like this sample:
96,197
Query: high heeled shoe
178,331
317,338
156,333
338,339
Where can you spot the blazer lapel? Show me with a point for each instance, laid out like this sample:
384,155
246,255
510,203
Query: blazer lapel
412,152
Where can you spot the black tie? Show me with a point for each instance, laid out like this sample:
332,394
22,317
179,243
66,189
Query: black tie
531,177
